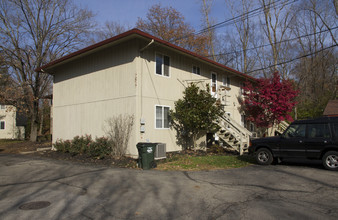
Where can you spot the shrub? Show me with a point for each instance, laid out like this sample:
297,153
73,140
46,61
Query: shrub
118,130
99,148
81,144
63,146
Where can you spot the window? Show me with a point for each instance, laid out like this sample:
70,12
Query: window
296,130
213,82
318,131
162,116
243,119
162,64
2,107
242,88
196,70
226,81
335,128
2,125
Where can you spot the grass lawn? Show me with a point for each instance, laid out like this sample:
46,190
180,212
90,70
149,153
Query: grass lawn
208,162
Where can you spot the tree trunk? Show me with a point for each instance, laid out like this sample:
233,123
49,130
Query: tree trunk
34,123
206,10
34,129
194,141
41,123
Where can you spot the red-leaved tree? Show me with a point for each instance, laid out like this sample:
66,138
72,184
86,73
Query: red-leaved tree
270,101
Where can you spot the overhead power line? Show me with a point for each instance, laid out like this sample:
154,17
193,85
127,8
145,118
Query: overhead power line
249,14
289,61
283,41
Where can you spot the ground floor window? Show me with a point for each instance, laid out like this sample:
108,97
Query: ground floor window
2,125
162,116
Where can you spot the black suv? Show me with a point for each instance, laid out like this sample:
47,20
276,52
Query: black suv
312,139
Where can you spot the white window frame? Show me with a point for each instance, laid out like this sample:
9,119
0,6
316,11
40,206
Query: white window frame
4,125
226,81
162,67
162,128
243,120
213,93
197,67
242,88
2,107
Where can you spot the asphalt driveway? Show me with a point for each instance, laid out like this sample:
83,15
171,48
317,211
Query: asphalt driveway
75,191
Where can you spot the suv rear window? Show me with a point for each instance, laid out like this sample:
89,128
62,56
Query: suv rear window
335,129
318,131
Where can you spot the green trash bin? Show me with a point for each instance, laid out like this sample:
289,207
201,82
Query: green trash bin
146,155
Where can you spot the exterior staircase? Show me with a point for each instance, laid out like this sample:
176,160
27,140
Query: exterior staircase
281,127
233,134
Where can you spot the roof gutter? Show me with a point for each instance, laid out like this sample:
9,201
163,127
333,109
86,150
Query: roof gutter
150,43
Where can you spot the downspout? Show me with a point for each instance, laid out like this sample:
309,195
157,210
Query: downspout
141,84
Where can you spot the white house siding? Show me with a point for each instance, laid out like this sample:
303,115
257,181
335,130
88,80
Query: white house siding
122,80
90,90
11,131
160,90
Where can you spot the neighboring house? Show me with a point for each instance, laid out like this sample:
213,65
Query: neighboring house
138,74
10,123
331,108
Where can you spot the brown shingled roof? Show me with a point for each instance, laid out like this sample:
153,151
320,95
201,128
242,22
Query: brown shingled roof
331,108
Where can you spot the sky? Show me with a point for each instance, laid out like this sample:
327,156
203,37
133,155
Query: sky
126,12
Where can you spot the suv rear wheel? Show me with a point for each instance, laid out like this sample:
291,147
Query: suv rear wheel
330,160
264,156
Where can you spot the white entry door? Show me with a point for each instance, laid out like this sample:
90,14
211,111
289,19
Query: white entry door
213,86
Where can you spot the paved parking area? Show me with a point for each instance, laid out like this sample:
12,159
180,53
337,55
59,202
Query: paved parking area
75,191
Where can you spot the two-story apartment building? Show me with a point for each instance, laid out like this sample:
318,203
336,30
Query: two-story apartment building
9,128
137,74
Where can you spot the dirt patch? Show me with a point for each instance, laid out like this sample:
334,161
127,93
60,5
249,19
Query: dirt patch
122,162
16,147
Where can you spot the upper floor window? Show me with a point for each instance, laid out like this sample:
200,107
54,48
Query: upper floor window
213,82
162,116
162,64
226,81
2,125
196,70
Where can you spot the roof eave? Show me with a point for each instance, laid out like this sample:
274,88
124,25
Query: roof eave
130,33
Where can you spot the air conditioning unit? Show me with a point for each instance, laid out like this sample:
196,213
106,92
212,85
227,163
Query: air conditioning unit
160,151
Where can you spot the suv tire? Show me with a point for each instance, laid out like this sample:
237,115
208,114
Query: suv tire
264,156
330,160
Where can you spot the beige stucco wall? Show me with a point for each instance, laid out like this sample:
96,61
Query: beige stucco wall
122,80
11,131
